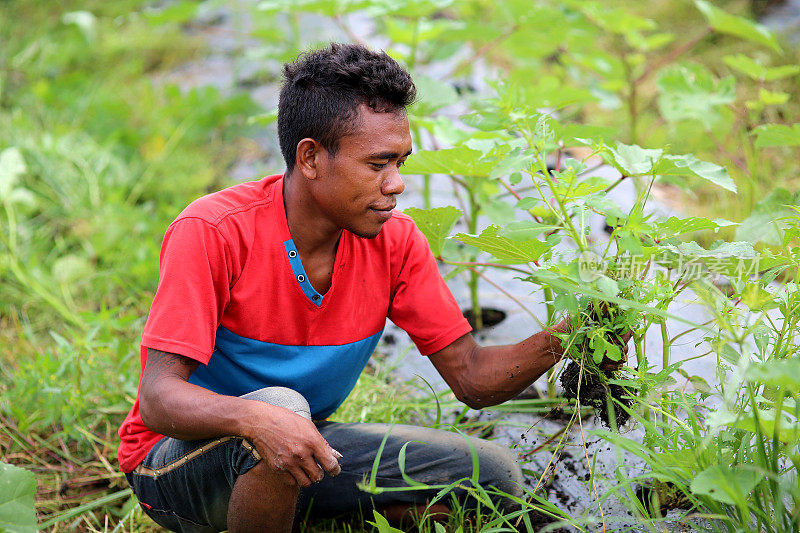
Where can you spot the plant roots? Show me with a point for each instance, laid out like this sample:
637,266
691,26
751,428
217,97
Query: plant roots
593,390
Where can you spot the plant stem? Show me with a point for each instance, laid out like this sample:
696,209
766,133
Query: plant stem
551,312
426,179
564,214
477,316
633,112
665,345
509,295
673,55
412,56
482,264
641,363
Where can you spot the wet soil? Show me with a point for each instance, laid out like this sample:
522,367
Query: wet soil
590,390
491,317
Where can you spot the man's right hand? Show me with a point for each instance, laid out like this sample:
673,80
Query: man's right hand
290,443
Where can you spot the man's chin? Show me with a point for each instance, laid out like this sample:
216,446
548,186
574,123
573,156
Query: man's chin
364,234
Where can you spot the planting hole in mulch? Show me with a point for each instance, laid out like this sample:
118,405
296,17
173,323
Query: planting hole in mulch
663,494
491,317
591,391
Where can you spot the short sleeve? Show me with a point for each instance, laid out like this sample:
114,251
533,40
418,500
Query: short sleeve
193,290
422,304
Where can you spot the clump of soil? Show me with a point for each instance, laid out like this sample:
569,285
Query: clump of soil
593,390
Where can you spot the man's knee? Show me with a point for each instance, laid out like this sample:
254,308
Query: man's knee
282,397
499,468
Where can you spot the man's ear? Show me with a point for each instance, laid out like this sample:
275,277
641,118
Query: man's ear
308,156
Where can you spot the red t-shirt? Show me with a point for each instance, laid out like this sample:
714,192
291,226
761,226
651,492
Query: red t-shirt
233,295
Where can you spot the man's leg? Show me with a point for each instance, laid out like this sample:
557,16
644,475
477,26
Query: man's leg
433,457
264,498
218,484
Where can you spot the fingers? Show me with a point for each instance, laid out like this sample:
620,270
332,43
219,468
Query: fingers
335,469
308,463
300,476
328,458
309,469
292,444
312,470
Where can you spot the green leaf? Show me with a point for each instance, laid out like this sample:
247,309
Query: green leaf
604,204
432,95
607,286
782,373
12,167
689,165
729,24
633,160
777,135
678,226
498,211
690,92
772,97
506,250
760,227
726,484
458,161
382,524
730,354
732,250
764,224
435,224
512,163
784,71
17,490
522,230
746,65
755,70
761,336
263,119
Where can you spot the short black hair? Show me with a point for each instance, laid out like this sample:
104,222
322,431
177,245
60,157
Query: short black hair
322,90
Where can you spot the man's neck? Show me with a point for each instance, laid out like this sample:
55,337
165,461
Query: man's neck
311,232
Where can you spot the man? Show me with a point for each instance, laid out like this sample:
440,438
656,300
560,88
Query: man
271,299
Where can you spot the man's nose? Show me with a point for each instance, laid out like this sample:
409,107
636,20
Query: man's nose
393,184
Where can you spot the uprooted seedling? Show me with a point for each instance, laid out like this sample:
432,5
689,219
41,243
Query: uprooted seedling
596,349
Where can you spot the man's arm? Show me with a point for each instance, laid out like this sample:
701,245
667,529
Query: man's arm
481,376
172,406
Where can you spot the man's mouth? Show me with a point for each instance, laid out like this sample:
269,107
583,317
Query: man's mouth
383,212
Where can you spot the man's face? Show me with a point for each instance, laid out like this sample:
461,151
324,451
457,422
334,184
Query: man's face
356,188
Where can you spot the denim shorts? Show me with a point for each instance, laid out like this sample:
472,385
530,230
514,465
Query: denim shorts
185,486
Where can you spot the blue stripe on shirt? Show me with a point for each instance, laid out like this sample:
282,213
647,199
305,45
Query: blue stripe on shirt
325,375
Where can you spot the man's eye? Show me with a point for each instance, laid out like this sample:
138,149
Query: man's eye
378,166
401,163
